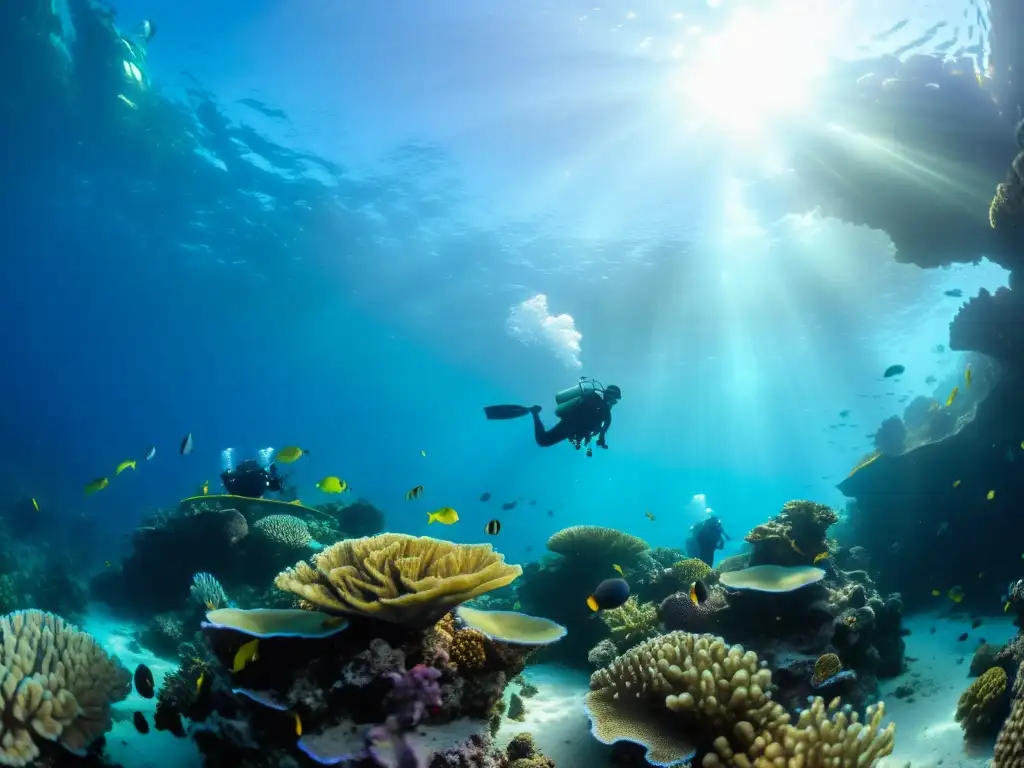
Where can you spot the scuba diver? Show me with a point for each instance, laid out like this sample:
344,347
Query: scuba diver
584,411
250,479
706,537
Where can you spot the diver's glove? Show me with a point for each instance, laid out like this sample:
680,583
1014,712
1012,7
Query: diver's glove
602,444
534,409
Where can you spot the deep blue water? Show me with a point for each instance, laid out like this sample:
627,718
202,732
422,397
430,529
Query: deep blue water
341,276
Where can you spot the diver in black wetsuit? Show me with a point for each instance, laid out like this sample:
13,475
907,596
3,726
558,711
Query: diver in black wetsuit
584,411
250,479
706,537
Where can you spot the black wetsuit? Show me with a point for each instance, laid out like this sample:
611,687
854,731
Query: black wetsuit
251,480
707,537
591,416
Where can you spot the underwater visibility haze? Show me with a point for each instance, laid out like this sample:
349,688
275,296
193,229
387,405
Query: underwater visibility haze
687,331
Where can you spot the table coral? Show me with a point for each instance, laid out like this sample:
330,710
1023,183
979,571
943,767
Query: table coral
407,580
982,706
675,692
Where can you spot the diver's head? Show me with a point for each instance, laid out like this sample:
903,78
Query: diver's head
612,394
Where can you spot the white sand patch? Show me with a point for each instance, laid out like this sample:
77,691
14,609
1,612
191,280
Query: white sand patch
926,732
556,718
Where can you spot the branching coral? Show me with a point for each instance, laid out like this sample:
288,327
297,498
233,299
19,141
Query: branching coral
598,544
286,530
208,592
396,578
56,684
672,693
793,537
981,707
632,622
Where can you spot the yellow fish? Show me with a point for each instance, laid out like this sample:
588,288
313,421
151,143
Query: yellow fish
126,464
106,563
618,568
821,556
245,655
935,593
199,683
204,488
1006,607
794,546
445,516
298,724
1022,445
990,495
952,396
648,515
967,374
956,483
296,502
35,504
96,485
956,594
211,606
423,452
332,484
290,454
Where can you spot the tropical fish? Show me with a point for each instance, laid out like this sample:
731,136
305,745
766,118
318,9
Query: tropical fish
126,464
248,653
150,452
967,374
106,563
414,493
952,396
204,489
35,504
144,681
493,527
955,293
935,593
962,637
893,370
485,496
843,414
618,568
186,445
141,725
96,485
610,593
298,724
956,483
956,594
990,495
444,515
199,683
648,515
332,484
698,592
508,505
423,452
821,556
290,453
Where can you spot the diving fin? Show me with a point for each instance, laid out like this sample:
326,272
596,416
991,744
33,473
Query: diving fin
499,412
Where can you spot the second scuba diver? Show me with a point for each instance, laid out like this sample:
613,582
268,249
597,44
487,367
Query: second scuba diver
584,411
251,480
706,537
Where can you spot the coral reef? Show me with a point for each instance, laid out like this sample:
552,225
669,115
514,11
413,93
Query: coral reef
56,685
793,537
631,623
603,654
523,753
402,579
286,530
597,544
1009,749
983,706
676,693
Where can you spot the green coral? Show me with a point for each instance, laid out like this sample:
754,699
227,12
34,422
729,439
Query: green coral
982,707
632,623
689,570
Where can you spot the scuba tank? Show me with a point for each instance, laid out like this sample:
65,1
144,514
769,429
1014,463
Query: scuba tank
570,397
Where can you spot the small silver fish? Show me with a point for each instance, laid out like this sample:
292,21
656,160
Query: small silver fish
150,452
186,445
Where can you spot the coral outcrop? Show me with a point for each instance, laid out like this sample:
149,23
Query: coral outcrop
796,536
407,580
983,706
677,693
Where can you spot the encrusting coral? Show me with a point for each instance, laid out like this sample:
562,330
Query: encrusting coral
596,543
407,580
468,649
793,537
56,684
631,622
286,530
981,707
676,692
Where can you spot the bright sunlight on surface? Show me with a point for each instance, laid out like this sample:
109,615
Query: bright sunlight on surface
761,67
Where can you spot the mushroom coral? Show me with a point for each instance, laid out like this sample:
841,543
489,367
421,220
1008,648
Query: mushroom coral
407,580
596,543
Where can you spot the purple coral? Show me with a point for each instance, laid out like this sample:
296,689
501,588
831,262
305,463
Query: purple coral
413,693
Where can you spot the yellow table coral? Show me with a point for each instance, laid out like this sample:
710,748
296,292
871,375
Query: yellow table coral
407,580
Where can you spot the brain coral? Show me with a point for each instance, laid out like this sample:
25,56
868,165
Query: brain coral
56,684
980,709
676,691
593,542
396,578
287,530
689,570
